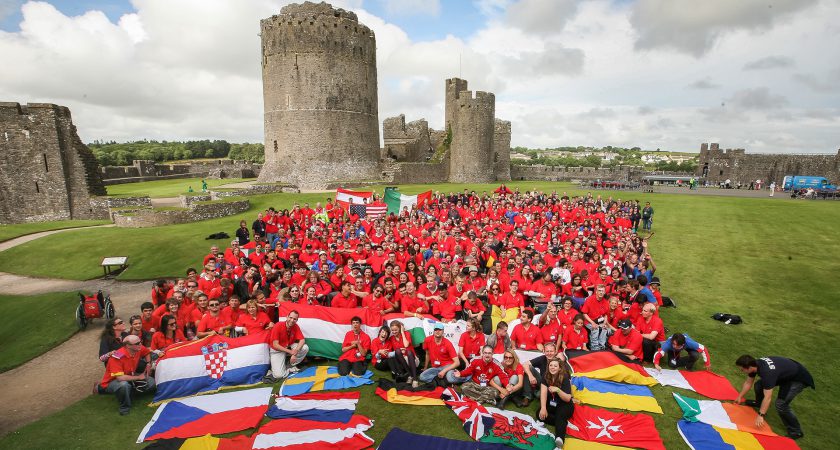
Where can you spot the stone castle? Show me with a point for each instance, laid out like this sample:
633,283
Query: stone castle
321,112
738,166
46,172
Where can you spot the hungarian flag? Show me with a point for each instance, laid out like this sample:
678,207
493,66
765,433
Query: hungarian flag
702,382
610,394
607,427
606,365
518,430
320,406
702,436
403,393
722,415
397,202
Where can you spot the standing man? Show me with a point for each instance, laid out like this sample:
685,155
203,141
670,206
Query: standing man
791,378
772,188
647,216
286,341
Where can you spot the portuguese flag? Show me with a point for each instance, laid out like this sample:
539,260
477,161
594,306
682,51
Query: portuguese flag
396,201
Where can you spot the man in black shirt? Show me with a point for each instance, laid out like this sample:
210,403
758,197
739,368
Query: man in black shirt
791,378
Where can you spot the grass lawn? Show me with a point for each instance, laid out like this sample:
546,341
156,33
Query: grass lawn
19,229
167,188
48,320
771,261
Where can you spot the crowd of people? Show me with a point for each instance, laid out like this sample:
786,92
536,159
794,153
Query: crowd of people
573,271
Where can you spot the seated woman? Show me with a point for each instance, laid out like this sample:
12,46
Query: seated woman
516,379
254,320
381,351
556,402
168,334
111,339
136,328
404,356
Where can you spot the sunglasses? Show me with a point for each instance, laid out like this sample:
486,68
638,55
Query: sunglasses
119,322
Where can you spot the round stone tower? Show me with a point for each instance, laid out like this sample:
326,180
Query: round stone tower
319,97
471,157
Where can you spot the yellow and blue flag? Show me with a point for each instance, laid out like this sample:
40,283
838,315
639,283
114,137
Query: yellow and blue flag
321,378
614,395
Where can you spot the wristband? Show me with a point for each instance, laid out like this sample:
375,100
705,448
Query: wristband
761,414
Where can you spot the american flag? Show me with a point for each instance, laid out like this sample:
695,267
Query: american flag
370,211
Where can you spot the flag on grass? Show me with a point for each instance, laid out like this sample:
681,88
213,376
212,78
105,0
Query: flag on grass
205,442
476,419
722,415
321,378
607,427
398,439
606,365
403,393
210,364
577,444
324,328
702,436
216,413
297,434
518,430
610,394
320,406
702,382
397,202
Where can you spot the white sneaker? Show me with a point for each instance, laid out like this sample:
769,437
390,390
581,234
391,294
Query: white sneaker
294,369
559,443
415,384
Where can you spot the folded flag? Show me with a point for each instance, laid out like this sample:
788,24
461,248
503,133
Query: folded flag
702,382
297,434
205,442
607,427
324,328
610,394
217,414
476,419
210,364
722,415
398,439
319,406
518,430
321,378
397,202
421,328
702,436
577,444
403,393
606,365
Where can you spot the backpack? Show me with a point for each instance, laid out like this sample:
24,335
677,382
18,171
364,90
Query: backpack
729,319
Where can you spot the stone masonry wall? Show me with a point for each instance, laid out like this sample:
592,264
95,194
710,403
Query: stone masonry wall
423,172
716,165
150,171
319,96
406,142
197,212
501,149
559,173
46,172
471,157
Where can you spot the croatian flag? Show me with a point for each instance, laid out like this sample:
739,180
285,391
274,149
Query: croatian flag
216,414
321,407
211,363
296,434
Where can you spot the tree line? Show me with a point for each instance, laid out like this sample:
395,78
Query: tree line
113,153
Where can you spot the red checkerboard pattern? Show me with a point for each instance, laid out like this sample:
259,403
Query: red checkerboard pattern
215,363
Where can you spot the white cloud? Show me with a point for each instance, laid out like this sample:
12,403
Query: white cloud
409,7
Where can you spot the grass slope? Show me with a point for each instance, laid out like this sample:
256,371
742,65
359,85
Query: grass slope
166,188
47,319
8,232
771,261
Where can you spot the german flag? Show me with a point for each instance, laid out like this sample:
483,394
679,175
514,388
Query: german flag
606,365
205,442
403,393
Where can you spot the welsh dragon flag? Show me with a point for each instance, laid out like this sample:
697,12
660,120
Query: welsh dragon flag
396,201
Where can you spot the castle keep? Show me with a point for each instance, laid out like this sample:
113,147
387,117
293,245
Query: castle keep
320,97
46,172
716,165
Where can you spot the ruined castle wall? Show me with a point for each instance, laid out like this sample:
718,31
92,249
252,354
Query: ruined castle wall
422,172
407,142
151,171
560,173
501,149
471,157
319,96
454,87
736,165
46,172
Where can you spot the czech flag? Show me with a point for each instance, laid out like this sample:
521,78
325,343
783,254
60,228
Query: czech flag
210,364
702,382
404,394
702,436
606,365
614,395
321,406
217,414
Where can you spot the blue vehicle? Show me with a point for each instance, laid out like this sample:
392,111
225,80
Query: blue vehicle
805,182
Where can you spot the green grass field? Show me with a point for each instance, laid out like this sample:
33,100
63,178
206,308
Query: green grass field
19,229
41,322
167,188
774,262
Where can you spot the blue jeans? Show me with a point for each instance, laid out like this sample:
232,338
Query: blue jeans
430,374
122,391
597,337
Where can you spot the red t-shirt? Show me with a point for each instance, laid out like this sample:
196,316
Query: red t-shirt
512,301
121,363
471,346
376,345
526,339
159,341
552,331
285,337
575,340
253,325
482,372
340,301
354,355
596,308
442,354
655,324
632,341
475,307
208,322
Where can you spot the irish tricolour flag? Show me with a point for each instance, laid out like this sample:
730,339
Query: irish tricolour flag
722,415
397,202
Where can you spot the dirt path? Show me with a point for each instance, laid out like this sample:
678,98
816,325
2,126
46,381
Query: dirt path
31,237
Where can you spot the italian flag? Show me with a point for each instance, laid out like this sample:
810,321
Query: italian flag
396,201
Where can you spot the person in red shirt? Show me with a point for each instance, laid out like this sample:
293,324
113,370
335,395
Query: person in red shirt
627,342
286,341
124,373
550,326
160,292
576,337
150,324
441,358
488,380
354,350
169,334
652,329
213,322
380,352
404,356
470,343
596,309
509,306
473,309
527,336
344,299
566,314
516,379
254,320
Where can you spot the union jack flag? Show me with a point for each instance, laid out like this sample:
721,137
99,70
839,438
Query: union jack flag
370,210
477,420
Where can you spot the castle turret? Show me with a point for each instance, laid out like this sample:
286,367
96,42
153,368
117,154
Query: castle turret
473,125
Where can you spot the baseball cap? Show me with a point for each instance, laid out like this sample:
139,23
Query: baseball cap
438,326
625,324
654,280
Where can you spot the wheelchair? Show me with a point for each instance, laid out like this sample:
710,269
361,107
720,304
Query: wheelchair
92,307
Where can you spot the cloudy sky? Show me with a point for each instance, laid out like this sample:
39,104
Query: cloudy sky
762,75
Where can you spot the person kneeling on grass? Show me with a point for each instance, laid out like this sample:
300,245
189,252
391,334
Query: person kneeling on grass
286,341
354,350
128,368
488,379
